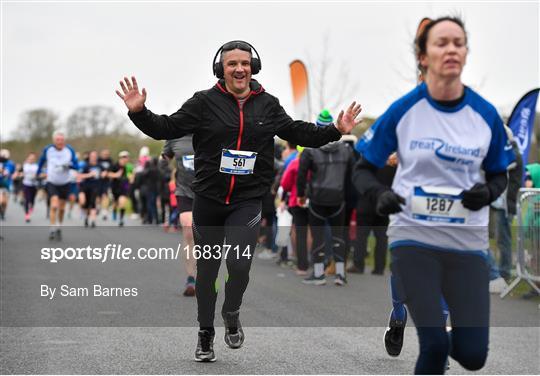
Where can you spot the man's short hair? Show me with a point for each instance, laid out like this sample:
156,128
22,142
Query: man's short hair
58,133
4,153
234,45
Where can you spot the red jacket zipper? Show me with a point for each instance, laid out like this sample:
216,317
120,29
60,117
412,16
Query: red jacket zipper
238,143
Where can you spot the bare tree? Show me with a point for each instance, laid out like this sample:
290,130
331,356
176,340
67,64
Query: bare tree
90,121
330,91
36,124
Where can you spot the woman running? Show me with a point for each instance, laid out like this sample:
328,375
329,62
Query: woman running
453,154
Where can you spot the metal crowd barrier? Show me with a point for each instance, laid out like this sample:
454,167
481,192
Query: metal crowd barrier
528,256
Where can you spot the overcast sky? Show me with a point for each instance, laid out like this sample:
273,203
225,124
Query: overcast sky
68,54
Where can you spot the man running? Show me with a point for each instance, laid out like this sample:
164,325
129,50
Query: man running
233,126
59,158
120,174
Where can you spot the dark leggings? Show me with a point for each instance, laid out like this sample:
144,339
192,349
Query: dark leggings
91,195
367,222
151,207
238,224
335,215
300,220
422,276
268,229
29,197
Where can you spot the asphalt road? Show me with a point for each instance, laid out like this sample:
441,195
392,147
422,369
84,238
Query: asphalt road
290,328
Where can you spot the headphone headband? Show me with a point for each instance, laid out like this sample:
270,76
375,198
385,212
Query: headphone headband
217,67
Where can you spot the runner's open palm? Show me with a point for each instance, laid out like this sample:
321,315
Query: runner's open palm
347,120
132,98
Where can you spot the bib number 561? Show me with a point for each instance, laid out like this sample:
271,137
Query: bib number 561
239,162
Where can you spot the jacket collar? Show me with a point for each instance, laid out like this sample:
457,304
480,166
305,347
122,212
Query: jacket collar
255,86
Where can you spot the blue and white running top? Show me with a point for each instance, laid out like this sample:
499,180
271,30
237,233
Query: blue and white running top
59,162
7,168
442,151
30,174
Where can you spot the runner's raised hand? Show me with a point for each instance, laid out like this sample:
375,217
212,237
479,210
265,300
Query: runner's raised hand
346,121
132,98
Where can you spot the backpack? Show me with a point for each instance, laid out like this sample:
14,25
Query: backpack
330,165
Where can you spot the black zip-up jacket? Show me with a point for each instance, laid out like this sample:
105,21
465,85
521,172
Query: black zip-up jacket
217,122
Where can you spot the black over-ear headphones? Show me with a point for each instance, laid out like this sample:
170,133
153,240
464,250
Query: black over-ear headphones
217,66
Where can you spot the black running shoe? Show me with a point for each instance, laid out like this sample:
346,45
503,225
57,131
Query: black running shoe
58,234
190,287
340,280
393,336
52,234
234,335
317,281
205,347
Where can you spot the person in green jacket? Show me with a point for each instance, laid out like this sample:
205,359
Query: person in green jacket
532,217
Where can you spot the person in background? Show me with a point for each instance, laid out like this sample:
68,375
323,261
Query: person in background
90,179
299,213
81,198
181,149
59,158
368,220
150,189
7,168
173,217
505,208
532,175
164,209
17,177
329,165
269,221
120,175
105,162
29,182
532,180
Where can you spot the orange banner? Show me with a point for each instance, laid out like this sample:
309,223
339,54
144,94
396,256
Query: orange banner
300,88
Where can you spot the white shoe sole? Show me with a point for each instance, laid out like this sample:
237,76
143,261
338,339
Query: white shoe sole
206,360
315,283
235,345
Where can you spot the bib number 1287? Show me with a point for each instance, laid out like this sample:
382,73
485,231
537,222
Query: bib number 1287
439,205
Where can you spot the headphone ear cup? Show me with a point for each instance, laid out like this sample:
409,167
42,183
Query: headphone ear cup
218,69
255,65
